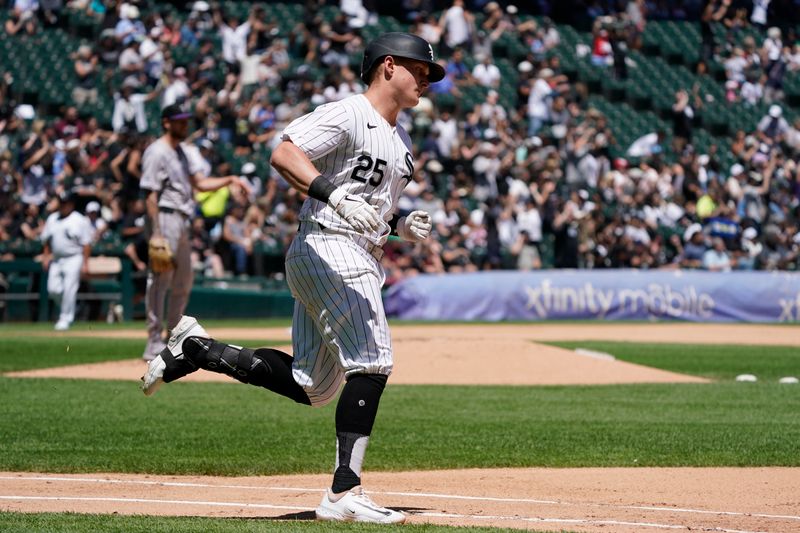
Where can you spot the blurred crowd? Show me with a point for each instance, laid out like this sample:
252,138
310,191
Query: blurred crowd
520,184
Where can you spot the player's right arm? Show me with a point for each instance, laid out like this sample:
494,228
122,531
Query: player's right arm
298,170
294,165
151,205
153,176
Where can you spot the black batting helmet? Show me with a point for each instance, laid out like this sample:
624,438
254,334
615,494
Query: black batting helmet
398,44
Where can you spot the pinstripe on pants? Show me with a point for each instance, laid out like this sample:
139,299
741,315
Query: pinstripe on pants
339,325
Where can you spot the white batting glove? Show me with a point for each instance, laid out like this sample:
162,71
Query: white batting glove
355,210
415,227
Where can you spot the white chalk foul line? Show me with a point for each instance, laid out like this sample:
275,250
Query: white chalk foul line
146,500
449,516
404,494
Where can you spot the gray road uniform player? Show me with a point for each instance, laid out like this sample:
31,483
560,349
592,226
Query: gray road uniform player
353,160
166,174
171,172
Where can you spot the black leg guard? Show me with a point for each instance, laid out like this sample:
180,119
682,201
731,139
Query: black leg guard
355,416
358,403
265,367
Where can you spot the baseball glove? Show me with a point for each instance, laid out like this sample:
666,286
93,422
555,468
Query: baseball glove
161,259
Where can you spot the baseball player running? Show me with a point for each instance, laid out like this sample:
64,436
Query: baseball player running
169,177
67,238
353,160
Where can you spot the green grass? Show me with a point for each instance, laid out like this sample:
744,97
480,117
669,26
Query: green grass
218,429
721,361
33,352
88,523
85,426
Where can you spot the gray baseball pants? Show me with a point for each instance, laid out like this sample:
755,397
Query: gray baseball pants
177,283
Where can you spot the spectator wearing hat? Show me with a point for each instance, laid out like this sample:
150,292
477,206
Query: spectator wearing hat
129,107
538,101
694,247
177,90
248,174
67,239
129,28
85,90
96,221
750,250
152,56
772,128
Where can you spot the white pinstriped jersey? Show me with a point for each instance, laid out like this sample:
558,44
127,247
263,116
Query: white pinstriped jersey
353,146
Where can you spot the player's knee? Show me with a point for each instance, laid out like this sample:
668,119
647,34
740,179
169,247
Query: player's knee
317,401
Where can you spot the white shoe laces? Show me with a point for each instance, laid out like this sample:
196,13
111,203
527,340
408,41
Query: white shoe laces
361,496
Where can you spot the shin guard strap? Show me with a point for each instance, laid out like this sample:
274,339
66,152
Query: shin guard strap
231,360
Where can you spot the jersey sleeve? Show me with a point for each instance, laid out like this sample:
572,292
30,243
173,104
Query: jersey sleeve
320,131
87,233
47,231
195,160
153,171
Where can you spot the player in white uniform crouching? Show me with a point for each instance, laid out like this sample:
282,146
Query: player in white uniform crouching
353,160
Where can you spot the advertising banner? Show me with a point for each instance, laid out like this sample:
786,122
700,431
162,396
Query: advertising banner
695,296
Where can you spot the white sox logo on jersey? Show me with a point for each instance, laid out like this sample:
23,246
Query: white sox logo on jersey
430,50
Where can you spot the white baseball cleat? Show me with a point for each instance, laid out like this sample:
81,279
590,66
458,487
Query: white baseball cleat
356,506
187,327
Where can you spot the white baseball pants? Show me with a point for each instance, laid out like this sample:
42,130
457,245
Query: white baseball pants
339,326
63,280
